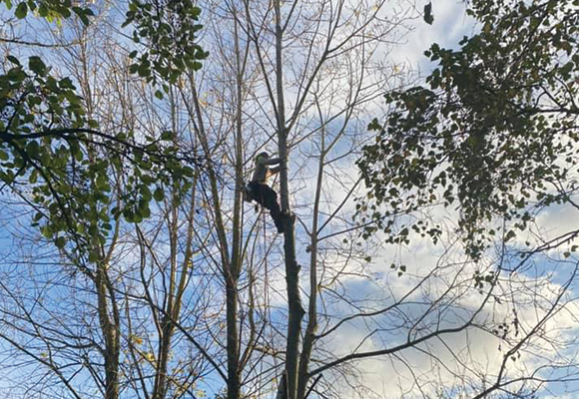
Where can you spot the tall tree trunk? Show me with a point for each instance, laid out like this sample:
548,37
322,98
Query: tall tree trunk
292,269
232,261
310,334
110,333
233,347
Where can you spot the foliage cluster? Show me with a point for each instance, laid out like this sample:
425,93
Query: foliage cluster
494,133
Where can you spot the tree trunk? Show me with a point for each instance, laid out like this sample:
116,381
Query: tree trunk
110,334
309,337
292,269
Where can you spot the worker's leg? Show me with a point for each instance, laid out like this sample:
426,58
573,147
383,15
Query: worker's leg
255,192
247,197
267,197
270,202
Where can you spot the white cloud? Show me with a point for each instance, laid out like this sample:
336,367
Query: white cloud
450,24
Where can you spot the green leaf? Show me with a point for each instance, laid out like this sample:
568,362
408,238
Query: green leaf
32,149
13,60
197,66
60,242
428,17
33,177
21,10
46,231
146,193
16,75
82,14
101,181
143,70
93,257
159,194
66,83
137,217
43,11
36,65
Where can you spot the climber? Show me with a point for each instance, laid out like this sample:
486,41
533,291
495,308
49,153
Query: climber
258,190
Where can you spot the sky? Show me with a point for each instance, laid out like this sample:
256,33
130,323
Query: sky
450,25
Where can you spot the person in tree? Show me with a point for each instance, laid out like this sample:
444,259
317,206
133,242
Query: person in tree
258,190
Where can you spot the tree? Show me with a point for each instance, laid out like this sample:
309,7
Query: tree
493,135
257,72
80,179
48,139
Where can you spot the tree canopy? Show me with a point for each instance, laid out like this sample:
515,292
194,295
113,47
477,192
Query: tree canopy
494,132
48,138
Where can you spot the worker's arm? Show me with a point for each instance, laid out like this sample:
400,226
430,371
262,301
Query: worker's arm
262,169
269,161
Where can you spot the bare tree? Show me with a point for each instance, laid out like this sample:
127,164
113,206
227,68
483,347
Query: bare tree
329,50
